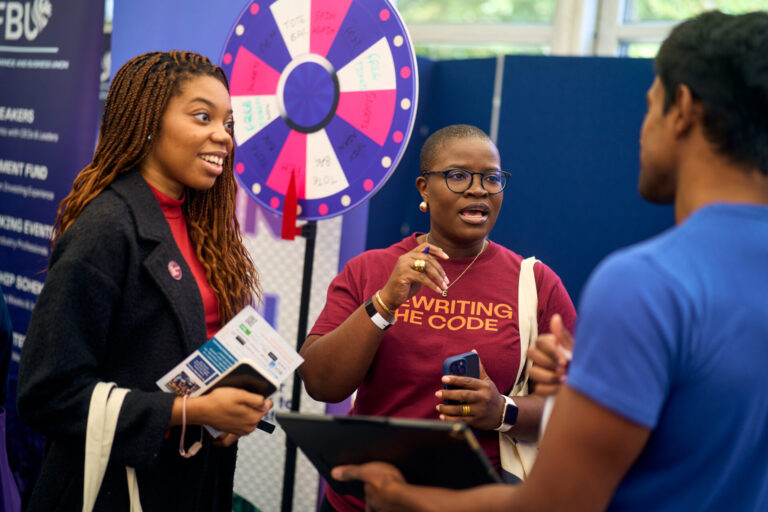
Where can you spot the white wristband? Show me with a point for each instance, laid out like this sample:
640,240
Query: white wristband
380,322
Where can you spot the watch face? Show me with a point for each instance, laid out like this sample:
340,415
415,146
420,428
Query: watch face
510,414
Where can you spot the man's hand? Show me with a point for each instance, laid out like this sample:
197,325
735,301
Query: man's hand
550,355
381,481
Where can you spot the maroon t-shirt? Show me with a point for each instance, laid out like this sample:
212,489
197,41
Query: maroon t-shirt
479,312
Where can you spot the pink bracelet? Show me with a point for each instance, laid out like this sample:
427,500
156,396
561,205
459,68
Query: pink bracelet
198,444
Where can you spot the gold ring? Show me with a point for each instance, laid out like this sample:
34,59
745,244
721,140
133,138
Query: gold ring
465,410
420,265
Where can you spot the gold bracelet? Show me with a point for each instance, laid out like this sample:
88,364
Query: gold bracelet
383,306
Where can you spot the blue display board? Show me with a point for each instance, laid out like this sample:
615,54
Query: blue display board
50,59
450,92
568,133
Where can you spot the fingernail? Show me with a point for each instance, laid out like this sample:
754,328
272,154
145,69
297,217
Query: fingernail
438,394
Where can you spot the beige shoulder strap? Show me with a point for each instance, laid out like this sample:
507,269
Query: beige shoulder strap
106,401
527,306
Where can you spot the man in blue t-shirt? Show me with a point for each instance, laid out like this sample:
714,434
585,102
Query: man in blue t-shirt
666,401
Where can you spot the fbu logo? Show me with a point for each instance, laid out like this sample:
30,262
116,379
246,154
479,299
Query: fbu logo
27,19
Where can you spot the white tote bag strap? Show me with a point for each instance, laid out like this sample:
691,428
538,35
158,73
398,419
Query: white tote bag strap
527,306
103,412
517,457
133,489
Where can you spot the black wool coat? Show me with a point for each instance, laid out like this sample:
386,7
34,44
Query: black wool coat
111,311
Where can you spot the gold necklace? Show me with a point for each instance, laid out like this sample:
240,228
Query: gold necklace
445,292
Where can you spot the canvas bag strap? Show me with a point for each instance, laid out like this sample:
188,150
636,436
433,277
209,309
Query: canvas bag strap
104,409
527,306
133,489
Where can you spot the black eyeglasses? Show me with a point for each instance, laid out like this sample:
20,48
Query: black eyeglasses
459,180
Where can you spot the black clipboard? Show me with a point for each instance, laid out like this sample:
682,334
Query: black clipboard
427,452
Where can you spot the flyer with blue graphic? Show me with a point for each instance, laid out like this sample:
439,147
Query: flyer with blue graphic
247,353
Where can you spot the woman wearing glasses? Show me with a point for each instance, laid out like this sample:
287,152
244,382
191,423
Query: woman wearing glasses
393,315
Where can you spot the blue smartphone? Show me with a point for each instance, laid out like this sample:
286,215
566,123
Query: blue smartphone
464,365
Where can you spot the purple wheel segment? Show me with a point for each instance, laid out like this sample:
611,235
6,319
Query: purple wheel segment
351,145
354,36
264,39
257,156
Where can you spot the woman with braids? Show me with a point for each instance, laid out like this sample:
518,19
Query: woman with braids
147,264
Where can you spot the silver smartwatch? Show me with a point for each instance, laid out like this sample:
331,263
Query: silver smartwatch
509,415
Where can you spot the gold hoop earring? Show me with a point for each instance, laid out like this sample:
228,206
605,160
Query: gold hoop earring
423,206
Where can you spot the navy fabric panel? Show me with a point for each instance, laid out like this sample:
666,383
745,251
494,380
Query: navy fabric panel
461,92
569,131
450,92
569,134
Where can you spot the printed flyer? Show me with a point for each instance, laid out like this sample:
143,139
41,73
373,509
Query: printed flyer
248,346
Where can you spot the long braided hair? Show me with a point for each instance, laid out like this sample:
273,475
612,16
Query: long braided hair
136,102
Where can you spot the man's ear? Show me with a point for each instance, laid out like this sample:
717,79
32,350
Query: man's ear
686,110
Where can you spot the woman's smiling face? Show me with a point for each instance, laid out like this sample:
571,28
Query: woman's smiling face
194,139
463,218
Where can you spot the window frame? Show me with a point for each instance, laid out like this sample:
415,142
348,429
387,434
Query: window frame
613,33
570,33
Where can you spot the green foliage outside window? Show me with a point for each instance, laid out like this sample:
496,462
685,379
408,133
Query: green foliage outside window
639,11
666,10
642,50
477,11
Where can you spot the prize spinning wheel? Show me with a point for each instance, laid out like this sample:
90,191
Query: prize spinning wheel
324,94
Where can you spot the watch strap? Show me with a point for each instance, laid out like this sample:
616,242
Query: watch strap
508,415
380,322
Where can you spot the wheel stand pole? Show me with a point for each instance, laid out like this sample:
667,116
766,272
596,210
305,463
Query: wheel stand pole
309,232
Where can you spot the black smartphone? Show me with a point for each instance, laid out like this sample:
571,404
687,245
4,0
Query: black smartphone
464,365
245,376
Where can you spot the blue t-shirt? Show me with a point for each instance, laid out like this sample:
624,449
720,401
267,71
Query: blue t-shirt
673,335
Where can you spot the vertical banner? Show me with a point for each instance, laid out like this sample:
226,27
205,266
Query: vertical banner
50,58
